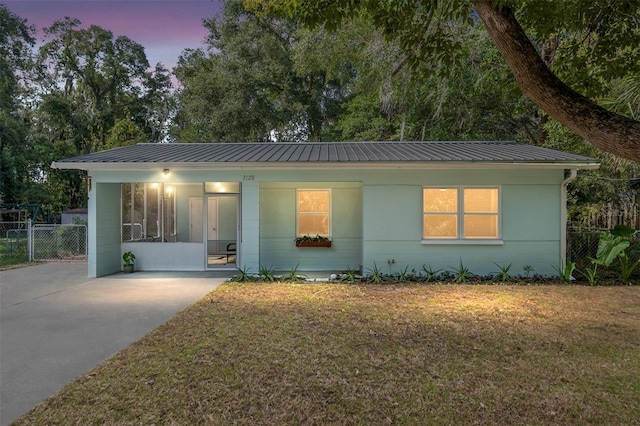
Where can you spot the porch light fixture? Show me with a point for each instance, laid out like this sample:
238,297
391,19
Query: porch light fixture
165,172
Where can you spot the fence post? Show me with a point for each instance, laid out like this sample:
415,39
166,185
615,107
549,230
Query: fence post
29,240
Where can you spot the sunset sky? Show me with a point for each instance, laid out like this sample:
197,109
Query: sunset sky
164,27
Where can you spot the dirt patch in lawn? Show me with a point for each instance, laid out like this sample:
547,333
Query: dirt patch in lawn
346,354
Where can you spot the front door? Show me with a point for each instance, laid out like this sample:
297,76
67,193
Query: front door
222,232
219,230
195,219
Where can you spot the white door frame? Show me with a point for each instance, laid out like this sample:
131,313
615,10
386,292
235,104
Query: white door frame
217,196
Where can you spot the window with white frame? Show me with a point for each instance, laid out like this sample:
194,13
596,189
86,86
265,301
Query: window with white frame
313,212
148,212
463,213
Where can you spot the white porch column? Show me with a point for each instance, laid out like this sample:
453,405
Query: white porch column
104,229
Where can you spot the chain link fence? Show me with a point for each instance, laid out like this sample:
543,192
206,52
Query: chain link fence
582,246
59,242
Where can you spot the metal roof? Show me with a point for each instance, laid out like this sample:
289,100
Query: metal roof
329,154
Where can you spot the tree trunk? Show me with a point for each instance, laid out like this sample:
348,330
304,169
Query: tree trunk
604,129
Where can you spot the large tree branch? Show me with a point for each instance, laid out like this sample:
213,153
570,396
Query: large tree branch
604,129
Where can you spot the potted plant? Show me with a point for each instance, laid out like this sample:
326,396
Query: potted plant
128,258
309,241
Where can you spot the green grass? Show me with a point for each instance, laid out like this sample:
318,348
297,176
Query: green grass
374,354
13,252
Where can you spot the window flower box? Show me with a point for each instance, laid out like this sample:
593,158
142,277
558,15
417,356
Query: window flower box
308,241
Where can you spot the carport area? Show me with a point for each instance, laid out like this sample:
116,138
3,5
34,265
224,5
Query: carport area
56,324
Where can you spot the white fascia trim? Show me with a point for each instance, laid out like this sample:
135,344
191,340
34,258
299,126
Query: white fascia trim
467,242
418,165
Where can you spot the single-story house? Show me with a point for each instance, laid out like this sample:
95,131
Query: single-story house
390,205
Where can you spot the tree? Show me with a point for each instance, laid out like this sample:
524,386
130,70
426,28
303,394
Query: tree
386,103
16,38
87,91
96,92
607,31
156,105
91,79
253,84
605,129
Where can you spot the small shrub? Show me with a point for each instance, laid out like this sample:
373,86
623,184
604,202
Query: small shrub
294,275
350,275
415,276
128,257
404,275
376,275
430,274
528,269
267,274
243,276
566,274
503,276
627,266
461,274
590,274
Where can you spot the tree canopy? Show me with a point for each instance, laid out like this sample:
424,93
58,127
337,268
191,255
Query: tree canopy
16,39
252,85
279,70
83,90
593,43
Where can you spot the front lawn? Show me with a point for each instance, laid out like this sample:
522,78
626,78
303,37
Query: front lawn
12,252
372,355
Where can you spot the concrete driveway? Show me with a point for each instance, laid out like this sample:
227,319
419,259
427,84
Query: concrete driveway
56,324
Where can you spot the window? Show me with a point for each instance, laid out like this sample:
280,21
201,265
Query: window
460,213
314,212
148,212
222,187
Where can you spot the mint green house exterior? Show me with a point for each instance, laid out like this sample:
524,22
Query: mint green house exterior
196,207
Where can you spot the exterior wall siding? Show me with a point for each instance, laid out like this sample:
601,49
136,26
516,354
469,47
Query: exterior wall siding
168,257
278,228
530,226
105,230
